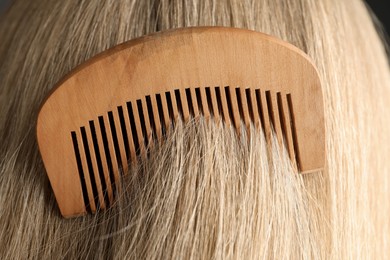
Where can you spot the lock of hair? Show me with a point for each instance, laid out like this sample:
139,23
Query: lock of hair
106,112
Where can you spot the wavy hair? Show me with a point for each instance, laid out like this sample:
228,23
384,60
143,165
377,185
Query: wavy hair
204,193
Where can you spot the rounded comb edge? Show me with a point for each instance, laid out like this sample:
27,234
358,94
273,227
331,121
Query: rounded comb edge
208,59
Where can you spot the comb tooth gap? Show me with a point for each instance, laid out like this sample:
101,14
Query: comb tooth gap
95,167
118,136
168,121
285,129
133,128
109,155
224,105
212,103
138,128
263,112
172,102
87,176
110,131
251,97
115,140
152,118
184,106
81,173
220,109
141,115
293,129
172,109
99,162
130,140
276,117
124,132
105,166
219,102
271,114
249,102
201,101
156,115
204,103
189,102
269,108
147,122
162,112
179,104
232,107
250,106
237,107
244,107
194,103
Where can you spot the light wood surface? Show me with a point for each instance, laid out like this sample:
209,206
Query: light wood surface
131,93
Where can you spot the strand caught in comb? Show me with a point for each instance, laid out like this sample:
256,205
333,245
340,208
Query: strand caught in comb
100,117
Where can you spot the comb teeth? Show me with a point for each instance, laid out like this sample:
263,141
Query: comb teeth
113,108
105,145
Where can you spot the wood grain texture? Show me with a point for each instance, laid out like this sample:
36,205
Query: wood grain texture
133,93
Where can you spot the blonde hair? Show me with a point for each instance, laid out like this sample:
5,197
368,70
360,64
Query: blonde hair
204,193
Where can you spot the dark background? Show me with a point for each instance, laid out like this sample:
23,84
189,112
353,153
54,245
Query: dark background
381,9
378,6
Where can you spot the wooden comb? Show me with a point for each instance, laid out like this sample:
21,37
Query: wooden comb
104,113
